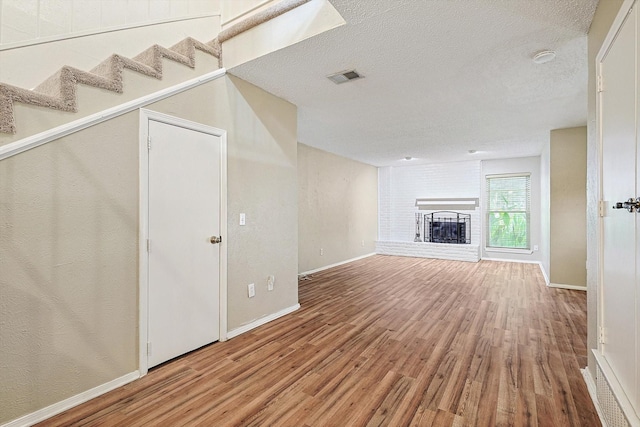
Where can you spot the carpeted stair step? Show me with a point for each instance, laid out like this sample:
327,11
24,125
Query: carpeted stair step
59,91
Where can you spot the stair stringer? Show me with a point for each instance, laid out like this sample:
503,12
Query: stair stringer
60,92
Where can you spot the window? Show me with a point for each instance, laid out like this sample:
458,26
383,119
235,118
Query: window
508,211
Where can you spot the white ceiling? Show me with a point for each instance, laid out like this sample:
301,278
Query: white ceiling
441,77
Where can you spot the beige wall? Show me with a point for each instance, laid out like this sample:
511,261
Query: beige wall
568,206
68,267
68,241
602,20
337,208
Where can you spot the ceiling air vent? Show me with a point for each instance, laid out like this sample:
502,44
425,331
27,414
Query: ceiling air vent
344,76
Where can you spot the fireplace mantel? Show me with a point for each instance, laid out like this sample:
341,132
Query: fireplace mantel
446,203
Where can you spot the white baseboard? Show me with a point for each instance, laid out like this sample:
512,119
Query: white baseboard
545,275
571,287
519,261
263,320
591,387
326,267
542,270
85,396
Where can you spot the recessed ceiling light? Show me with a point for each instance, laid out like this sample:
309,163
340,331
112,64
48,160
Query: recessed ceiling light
472,151
408,158
544,56
344,76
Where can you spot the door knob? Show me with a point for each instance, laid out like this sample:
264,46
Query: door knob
632,205
216,239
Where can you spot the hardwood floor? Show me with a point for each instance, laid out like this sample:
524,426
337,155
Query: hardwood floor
384,341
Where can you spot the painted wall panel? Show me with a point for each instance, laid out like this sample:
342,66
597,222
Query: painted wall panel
337,208
568,207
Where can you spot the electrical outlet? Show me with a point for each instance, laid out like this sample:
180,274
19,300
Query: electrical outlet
535,247
270,281
321,251
243,219
251,290
362,243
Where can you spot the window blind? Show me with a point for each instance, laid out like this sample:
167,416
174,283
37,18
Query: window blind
508,211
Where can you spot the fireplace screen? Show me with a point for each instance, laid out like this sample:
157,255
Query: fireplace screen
447,227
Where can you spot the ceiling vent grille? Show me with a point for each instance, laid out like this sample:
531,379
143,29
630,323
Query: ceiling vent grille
344,76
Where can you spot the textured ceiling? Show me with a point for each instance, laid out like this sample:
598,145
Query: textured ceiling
441,77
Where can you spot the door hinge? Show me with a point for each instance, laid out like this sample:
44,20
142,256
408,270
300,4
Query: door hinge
149,142
601,208
148,245
601,339
148,349
600,84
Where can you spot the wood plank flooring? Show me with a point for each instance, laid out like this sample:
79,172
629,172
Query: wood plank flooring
384,341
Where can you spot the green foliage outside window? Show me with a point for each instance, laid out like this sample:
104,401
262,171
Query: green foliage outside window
508,212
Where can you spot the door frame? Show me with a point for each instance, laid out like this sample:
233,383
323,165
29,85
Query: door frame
600,360
143,282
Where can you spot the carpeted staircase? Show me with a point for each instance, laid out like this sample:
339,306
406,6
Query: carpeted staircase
59,92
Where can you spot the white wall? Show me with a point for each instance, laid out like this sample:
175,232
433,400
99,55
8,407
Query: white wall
399,187
545,209
25,22
519,165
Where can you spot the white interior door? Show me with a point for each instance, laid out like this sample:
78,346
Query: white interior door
184,213
619,177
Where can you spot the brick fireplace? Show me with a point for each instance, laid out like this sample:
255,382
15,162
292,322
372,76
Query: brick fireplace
427,190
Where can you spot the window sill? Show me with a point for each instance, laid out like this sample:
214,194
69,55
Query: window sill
509,250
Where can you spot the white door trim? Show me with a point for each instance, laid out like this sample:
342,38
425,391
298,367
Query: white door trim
143,296
616,389
623,13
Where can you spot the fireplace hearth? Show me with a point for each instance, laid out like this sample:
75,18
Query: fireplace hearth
447,227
